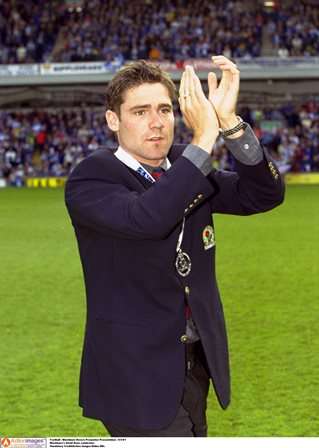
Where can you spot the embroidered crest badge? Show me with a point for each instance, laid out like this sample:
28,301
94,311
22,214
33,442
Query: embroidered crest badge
208,237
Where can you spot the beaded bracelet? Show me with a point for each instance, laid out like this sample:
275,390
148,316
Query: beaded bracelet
238,127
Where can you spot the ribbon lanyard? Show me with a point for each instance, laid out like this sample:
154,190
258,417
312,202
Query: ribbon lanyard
182,263
180,237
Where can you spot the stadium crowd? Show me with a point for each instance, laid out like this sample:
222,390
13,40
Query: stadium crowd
51,142
119,30
294,29
172,30
28,30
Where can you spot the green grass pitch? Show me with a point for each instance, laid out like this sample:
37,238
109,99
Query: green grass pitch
268,270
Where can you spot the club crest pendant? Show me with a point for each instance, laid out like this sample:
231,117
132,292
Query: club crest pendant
183,263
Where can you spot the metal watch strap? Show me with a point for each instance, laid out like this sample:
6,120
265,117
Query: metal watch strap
241,125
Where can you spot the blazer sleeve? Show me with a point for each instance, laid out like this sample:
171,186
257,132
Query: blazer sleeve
249,189
99,198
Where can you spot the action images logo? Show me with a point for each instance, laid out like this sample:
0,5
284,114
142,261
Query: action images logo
5,442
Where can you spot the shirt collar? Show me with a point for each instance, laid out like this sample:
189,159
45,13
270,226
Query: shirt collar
127,157
150,168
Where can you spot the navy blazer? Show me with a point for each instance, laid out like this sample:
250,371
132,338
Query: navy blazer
133,363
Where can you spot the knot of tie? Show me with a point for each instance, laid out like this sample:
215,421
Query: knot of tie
157,172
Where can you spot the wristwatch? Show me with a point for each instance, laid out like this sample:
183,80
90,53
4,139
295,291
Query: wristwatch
241,125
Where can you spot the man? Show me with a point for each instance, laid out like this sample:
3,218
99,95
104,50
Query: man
155,333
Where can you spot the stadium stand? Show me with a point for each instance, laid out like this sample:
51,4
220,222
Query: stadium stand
28,30
294,29
50,134
51,142
172,30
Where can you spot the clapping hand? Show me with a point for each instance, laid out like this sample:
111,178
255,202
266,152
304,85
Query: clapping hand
198,112
224,96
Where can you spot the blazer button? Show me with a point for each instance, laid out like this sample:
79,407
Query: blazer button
187,290
184,339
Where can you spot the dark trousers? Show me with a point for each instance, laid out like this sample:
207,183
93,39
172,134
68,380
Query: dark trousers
190,420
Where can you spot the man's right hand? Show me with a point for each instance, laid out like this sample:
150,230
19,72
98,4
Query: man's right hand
198,112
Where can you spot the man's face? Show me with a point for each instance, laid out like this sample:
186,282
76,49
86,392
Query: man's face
145,127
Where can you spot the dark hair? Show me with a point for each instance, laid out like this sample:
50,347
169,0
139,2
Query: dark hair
133,75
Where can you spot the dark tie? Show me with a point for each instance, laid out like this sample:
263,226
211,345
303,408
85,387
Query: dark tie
157,172
188,312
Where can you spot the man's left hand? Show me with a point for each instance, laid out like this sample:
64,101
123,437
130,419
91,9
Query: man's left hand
224,97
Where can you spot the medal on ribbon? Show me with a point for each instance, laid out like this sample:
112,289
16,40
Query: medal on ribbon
183,263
